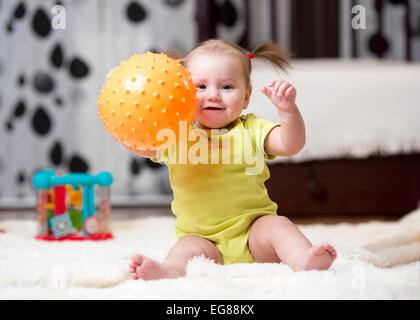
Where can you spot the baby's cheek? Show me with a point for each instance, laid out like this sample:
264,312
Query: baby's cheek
236,101
200,98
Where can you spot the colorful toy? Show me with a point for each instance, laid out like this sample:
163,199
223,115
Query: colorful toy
144,94
66,207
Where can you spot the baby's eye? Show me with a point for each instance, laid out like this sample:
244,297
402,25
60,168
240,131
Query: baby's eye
227,87
200,86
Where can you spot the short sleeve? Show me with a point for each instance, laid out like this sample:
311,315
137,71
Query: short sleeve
260,129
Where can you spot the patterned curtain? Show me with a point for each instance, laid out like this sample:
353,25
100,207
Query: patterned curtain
53,63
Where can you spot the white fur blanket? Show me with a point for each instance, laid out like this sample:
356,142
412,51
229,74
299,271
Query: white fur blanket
350,108
376,260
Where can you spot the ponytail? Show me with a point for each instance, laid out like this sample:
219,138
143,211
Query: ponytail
273,53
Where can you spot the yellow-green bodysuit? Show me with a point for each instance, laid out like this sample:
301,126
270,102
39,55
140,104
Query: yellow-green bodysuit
217,178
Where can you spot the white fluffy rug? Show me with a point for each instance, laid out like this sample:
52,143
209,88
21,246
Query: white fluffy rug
376,260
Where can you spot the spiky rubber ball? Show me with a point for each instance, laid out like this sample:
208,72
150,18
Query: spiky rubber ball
144,94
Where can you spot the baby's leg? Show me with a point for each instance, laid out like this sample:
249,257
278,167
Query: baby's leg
276,238
142,267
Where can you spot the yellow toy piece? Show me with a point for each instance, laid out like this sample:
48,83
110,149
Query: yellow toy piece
75,196
144,94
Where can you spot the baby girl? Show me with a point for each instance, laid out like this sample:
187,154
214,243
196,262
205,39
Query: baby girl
222,210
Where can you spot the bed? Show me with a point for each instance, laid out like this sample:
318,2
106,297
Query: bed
362,155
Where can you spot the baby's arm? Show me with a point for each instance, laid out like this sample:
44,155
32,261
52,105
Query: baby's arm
289,138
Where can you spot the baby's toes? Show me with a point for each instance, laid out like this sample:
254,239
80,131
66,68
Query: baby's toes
330,250
333,252
137,259
132,270
131,267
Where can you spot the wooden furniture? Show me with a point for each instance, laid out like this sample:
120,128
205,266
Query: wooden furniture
387,186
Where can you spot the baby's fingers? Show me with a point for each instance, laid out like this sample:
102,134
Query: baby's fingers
282,89
267,92
277,87
290,92
131,148
271,83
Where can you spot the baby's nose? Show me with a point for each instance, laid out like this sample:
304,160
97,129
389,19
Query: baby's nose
213,95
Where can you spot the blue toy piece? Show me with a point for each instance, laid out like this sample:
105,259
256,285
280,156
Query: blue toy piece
47,178
61,225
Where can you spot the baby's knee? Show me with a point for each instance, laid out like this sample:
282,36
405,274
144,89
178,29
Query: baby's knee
201,246
268,223
282,220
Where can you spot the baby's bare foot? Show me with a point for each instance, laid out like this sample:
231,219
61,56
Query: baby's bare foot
142,267
318,258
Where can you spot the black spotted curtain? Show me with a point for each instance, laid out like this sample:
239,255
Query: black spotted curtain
50,78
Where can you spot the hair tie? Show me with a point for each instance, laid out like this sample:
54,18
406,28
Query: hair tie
250,55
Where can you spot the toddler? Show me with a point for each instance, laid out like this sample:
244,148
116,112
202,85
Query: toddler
221,205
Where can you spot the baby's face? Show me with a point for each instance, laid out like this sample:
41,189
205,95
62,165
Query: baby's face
221,89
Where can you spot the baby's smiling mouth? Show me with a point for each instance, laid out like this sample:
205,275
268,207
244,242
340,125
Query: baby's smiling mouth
213,108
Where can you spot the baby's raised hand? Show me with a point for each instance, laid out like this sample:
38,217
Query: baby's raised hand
282,94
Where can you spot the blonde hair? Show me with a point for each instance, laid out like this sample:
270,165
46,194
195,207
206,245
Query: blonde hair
267,50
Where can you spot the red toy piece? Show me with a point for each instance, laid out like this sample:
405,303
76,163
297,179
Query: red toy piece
60,200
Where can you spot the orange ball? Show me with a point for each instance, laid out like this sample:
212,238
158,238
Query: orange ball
144,94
